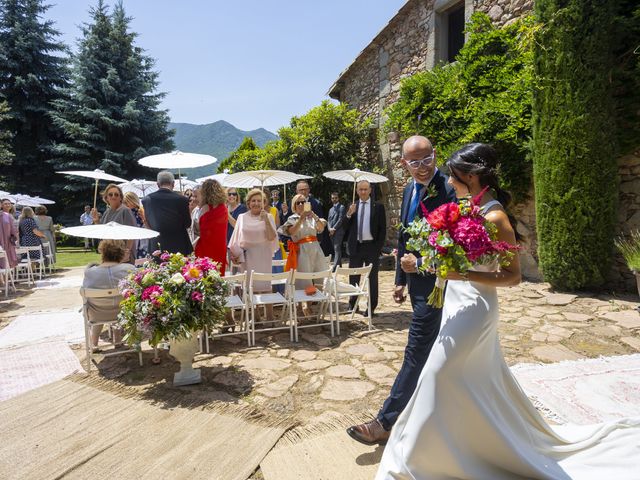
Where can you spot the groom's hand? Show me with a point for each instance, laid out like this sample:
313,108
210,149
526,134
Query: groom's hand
409,263
398,294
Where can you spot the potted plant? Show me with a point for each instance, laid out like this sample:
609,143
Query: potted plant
630,249
173,297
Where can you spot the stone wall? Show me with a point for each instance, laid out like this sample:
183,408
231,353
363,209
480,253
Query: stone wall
407,45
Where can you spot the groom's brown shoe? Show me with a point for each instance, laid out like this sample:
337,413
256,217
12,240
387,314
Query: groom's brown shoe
369,433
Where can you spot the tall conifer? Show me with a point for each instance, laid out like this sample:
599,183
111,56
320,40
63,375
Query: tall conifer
32,73
110,116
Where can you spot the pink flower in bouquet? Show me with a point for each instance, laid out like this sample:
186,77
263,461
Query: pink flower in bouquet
470,233
205,264
152,292
197,296
127,293
191,272
165,256
444,216
433,241
138,278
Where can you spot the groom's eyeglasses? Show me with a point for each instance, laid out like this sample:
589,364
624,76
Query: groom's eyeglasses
423,162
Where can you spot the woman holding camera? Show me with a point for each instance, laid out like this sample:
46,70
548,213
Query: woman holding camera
303,226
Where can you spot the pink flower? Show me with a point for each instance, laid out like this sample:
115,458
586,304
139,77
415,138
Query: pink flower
470,233
165,256
191,272
138,277
152,292
205,264
127,293
197,297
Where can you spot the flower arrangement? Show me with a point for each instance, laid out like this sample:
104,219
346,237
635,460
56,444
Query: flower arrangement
453,238
170,297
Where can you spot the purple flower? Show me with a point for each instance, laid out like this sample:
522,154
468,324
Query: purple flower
197,297
152,292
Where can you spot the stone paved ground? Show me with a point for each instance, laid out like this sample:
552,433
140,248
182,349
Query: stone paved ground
321,376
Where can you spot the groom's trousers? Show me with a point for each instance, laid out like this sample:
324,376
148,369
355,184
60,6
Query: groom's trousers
423,331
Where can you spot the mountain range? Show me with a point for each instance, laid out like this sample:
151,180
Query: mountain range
218,139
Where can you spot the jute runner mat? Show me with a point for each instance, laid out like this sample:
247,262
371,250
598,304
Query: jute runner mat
323,452
73,430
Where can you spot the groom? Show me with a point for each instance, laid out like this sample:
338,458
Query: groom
429,187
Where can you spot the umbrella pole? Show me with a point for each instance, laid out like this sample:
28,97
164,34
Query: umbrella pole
353,200
180,180
95,194
285,193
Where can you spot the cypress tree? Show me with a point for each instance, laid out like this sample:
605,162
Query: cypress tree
110,116
573,146
33,71
5,143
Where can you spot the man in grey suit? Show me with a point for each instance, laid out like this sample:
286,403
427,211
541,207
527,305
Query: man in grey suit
167,212
336,231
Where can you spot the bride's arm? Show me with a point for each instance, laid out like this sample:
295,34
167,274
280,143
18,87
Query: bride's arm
507,276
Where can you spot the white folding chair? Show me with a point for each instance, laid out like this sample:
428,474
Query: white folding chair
262,299
38,261
98,293
6,273
323,298
24,268
343,290
238,300
48,255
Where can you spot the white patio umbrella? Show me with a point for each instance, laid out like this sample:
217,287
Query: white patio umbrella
177,160
110,231
356,175
186,183
219,177
96,174
29,201
142,188
263,178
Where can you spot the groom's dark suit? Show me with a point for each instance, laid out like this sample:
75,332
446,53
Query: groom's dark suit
168,213
425,322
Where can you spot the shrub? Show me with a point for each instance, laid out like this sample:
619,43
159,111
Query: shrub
630,250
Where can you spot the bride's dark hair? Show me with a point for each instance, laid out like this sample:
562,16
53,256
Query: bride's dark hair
481,159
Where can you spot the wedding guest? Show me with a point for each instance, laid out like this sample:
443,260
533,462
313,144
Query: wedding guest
107,274
212,221
235,208
30,235
116,212
8,234
45,225
254,241
87,219
132,202
168,213
335,224
304,226
303,188
194,211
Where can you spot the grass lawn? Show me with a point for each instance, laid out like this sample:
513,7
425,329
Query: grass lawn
75,257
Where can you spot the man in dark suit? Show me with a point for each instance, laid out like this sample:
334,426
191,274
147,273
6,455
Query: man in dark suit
429,187
335,224
167,212
366,227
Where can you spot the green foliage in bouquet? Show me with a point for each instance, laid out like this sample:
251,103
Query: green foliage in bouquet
630,250
574,141
171,297
485,96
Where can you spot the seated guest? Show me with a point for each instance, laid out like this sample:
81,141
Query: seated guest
45,225
106,275
30,235
212,220
117,212
303,226
8,234
254,241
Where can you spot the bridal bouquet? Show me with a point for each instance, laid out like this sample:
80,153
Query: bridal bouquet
455,237
170,297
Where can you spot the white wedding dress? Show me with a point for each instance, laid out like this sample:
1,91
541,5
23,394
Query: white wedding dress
469,418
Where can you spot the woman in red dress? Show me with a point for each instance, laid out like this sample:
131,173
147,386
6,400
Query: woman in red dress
211,230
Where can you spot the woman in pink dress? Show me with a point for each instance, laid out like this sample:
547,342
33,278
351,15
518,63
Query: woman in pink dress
254,241
8,233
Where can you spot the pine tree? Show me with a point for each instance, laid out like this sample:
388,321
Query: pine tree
5,143
33,71
110,116
574,147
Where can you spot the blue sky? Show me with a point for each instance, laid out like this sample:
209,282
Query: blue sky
252,63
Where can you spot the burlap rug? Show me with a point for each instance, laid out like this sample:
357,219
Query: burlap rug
73,430
322,452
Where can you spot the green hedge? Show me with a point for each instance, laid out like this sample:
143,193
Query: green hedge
574,146
485,96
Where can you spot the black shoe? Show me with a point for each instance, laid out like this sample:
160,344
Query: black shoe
366,314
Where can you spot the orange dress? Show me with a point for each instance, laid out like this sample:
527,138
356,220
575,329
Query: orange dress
213,235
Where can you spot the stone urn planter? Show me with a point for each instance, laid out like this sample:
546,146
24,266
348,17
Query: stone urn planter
183,350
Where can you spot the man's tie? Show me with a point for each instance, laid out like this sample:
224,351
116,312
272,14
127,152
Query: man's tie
414,203
361,220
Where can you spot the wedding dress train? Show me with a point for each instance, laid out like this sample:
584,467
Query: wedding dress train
469,418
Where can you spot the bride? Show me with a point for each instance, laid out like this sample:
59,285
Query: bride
468,417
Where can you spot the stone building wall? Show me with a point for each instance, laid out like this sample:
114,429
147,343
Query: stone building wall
409,44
